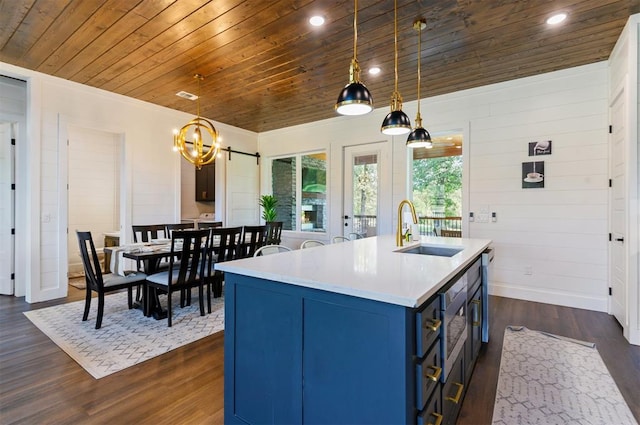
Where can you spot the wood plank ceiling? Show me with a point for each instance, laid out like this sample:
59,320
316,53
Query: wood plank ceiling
267,68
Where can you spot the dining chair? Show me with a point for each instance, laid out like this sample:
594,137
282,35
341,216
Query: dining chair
148,232
338,239
177,226
310,243
270,249
192,246
253,237
273,233
209,225
225,248
102,283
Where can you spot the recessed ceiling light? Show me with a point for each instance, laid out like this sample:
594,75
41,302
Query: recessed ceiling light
374,70
557,18
316,21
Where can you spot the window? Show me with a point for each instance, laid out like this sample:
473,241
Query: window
437,185
299,183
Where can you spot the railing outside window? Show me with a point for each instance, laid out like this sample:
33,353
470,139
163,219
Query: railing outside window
428,226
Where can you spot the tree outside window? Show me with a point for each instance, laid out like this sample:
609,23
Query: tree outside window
437,186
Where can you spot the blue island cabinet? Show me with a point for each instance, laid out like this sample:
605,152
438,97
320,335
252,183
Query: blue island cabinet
295,355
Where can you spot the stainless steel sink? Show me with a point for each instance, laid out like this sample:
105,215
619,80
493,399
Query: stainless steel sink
438,251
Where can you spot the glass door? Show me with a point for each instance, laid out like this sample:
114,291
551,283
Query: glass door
364,185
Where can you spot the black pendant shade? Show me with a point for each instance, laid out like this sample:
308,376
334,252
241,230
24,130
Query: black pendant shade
419,138
354,99
396,123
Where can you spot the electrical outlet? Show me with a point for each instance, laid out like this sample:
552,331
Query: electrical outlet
528,270
482,217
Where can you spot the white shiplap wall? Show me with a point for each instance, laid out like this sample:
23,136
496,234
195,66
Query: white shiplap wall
150,170
550,243
559,232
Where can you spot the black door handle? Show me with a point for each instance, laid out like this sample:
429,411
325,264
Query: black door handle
346,217
619,239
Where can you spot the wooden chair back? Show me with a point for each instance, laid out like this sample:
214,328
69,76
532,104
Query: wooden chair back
178,226
274,233
191,247
253,237
225,242
90,261
210,225
147,232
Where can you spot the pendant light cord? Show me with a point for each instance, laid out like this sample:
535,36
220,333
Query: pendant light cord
355,30
199,77
419,60
395,41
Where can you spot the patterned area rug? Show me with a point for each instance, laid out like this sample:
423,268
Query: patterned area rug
126,337
548,379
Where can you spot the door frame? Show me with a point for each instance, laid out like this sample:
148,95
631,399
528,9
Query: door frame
383,149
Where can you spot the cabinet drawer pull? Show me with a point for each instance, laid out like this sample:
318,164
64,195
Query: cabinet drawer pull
438,417
437,371
477,323
434,326
456,399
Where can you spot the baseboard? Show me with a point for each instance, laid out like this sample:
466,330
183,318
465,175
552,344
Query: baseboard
548,297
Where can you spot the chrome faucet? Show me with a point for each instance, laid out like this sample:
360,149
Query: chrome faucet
399,235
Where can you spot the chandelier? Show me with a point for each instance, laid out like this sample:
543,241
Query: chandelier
203,147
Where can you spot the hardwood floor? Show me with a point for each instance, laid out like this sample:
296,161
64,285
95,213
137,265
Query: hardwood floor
40,384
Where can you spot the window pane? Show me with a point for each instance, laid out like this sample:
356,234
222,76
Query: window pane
283,184
365,194
313,216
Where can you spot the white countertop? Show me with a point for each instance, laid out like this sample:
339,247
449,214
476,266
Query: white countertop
366,268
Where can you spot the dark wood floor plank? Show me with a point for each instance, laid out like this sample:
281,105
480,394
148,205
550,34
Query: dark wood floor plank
41,384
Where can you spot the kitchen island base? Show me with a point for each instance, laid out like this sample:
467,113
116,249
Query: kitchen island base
299,355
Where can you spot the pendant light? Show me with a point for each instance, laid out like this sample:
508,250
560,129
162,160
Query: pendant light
396,122
419,137
354,99
198,151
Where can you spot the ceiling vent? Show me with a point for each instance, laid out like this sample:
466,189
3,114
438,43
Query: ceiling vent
186,95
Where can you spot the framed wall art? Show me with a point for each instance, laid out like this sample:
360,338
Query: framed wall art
533,175
540,148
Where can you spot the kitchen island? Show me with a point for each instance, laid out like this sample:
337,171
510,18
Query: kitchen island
345,333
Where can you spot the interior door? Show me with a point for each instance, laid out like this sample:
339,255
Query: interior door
6,210
366,186
618,271
242,191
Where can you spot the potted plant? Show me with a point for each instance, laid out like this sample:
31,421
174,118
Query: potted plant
268,204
